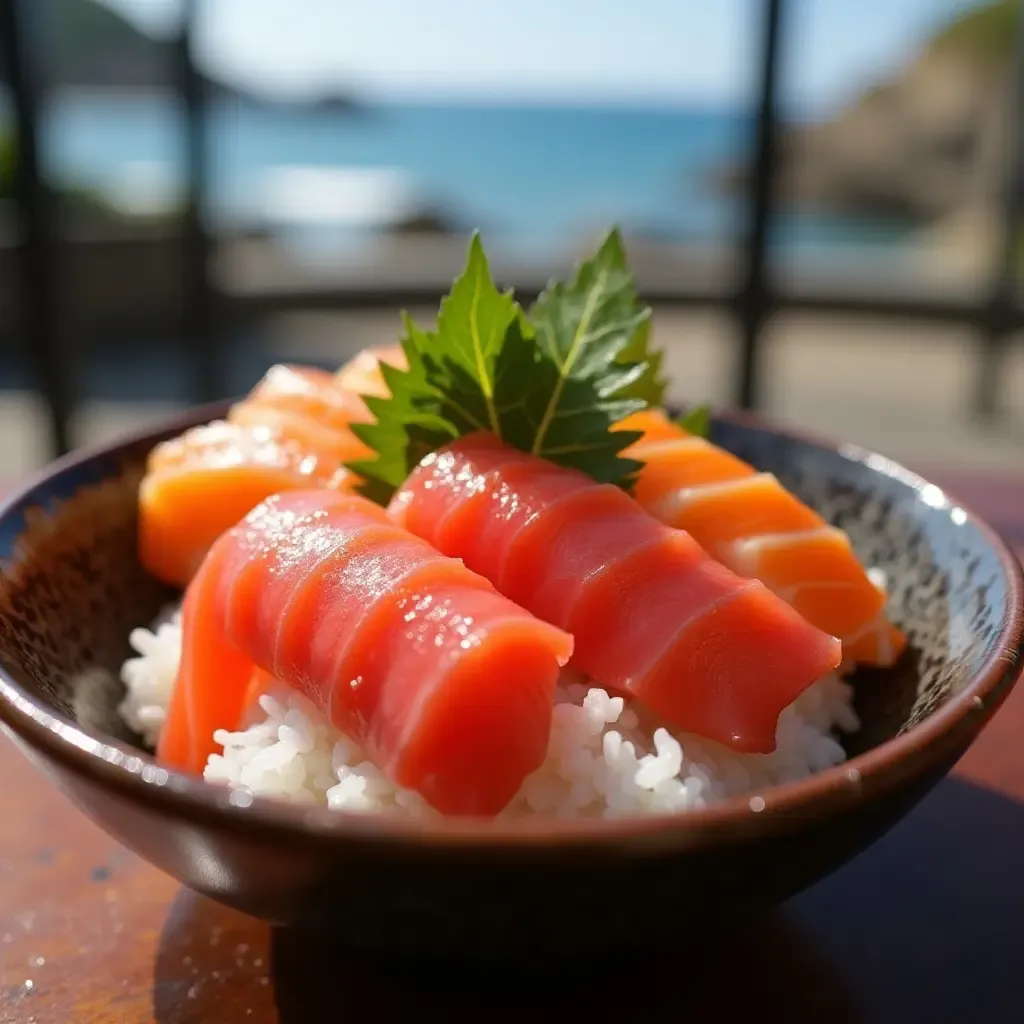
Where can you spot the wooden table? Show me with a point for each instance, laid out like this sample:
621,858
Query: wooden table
926,925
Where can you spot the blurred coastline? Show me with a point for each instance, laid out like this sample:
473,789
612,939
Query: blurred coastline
895,195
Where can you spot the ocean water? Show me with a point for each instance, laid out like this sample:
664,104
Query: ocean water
533,176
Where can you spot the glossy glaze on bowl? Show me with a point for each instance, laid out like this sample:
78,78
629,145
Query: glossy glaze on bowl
72,589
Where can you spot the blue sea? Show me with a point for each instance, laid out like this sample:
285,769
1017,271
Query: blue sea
533,176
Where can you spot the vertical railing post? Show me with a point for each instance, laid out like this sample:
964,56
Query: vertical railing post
199,319
39,291
753,299
1001,313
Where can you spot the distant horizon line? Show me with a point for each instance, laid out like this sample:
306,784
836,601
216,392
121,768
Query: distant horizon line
655,102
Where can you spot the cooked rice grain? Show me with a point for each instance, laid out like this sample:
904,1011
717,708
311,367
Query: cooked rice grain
600,762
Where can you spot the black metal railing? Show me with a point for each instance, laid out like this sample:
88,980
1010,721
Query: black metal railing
39,265
995,316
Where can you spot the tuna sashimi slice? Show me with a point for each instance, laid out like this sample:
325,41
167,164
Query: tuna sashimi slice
456,486
676,465
629,615
650,612
581,535
480,528
730,689
446,684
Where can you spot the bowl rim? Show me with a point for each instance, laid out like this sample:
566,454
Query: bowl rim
935,742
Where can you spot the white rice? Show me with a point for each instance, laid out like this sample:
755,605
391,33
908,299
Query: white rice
599,762
149,678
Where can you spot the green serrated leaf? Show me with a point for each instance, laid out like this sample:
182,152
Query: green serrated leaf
409,423
650,386
647,383
473,321
696,421
583,329
553,383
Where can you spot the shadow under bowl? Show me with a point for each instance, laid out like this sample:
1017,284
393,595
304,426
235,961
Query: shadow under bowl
72,589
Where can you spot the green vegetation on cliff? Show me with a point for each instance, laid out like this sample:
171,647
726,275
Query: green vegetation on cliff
87,44
7,165
985,35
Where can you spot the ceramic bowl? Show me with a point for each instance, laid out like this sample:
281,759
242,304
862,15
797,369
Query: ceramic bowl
72,589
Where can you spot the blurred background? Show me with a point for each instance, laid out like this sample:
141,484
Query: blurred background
821,198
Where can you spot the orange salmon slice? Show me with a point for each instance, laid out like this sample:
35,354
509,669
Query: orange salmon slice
817,573
721,514
752,524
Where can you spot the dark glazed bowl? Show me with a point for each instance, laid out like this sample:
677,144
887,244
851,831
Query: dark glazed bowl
72,589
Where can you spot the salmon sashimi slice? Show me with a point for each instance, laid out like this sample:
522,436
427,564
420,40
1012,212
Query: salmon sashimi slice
721,514
879,642
200,484
807,569
324,442
446,684
753,525
651,613
311,392
361,374
307,405
681,464
653,424
292,431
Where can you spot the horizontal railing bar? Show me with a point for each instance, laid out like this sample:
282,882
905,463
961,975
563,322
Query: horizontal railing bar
363,298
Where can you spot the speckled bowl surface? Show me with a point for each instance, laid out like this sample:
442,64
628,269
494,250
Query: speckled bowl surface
72,589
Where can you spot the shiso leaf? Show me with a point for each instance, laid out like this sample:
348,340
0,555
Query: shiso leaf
584,329
650,386
408,422
553,383
696,421
462,354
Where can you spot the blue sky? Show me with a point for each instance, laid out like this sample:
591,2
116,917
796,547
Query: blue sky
673,51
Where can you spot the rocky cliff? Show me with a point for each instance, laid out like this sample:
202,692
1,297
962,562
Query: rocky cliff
83,43
920,146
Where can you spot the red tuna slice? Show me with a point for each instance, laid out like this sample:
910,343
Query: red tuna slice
631,613
505,496
347,605
651,613
557,556
743,658
276,549
444,481
447,685
721,656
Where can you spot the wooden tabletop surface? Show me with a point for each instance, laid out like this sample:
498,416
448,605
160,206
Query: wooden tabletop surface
926,925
